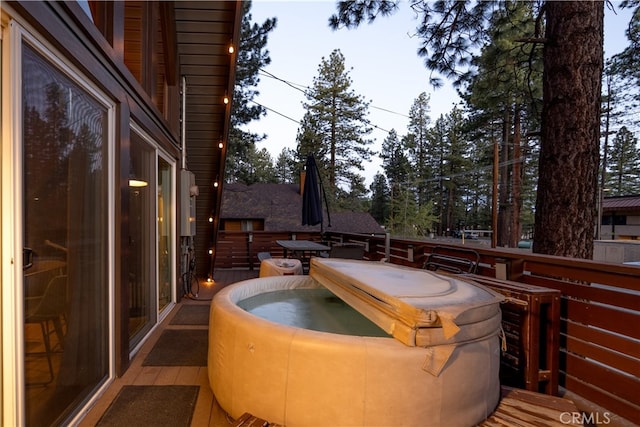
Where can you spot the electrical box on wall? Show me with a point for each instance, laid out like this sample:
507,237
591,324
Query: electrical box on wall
188,193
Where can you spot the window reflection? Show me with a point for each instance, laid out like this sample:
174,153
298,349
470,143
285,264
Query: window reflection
165,233
141,303
65,134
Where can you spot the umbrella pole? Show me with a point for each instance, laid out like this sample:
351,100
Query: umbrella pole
326,204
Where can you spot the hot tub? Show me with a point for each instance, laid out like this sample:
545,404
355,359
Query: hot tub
440,375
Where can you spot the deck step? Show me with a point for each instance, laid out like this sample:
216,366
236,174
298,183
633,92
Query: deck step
526,408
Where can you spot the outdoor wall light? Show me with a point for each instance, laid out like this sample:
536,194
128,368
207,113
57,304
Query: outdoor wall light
226,99
220,145
231,48
211,218
133,180
210,251
137,183
215,184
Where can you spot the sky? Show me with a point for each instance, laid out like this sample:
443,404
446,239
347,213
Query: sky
381,59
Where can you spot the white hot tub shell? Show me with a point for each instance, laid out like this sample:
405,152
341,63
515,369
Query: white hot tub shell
299,377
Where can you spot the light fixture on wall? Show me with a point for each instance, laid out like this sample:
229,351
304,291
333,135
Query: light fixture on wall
136,182
220,145
225,99
231,47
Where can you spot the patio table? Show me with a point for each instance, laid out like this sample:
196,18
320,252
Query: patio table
302,246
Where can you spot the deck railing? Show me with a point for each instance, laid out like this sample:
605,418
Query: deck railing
599,357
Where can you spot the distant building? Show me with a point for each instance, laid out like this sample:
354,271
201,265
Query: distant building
278,207
619,230
620,218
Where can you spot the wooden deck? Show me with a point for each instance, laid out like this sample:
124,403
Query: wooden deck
517,407
207,411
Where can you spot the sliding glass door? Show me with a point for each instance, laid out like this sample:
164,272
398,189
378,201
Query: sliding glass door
142,304
65,190
165,236
151,256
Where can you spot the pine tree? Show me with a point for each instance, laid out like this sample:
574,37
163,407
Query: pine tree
356,199
456,165
380,197
627,61
258,168
572,64
252,56
397,170
407,219
335,125
419,145
623,176
394,160
286,167
506,87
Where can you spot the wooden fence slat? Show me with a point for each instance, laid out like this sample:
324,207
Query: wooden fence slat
577,271
603,355
628,410
617,298
623,386
615,342
618,321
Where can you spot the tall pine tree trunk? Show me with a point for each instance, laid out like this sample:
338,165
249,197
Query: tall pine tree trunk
516,177
567,185
504,210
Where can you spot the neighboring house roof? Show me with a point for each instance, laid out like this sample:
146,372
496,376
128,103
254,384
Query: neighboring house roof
280,206
621,203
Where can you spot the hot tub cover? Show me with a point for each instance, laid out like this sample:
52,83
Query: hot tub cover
417,307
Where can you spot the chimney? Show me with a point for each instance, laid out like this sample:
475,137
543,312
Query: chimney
303,176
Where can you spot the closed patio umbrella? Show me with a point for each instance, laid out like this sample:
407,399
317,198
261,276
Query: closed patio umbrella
312,196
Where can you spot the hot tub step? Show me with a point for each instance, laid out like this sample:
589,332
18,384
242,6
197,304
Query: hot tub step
248,420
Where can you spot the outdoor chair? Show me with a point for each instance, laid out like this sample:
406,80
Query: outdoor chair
347,251
49,309
452,260
263,255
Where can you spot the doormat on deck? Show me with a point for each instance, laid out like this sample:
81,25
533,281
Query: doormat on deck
192,314
146,405
179,347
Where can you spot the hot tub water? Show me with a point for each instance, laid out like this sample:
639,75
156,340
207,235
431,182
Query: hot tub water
315,309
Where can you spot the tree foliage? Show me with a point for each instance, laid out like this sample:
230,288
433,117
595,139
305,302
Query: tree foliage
252,56
335,125
623,177
419,145
380,197
452,32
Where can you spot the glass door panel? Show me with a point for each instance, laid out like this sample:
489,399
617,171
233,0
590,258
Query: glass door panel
66,281
165,242
142,314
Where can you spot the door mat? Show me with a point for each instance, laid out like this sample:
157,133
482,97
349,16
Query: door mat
146,405
192,314
179,347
